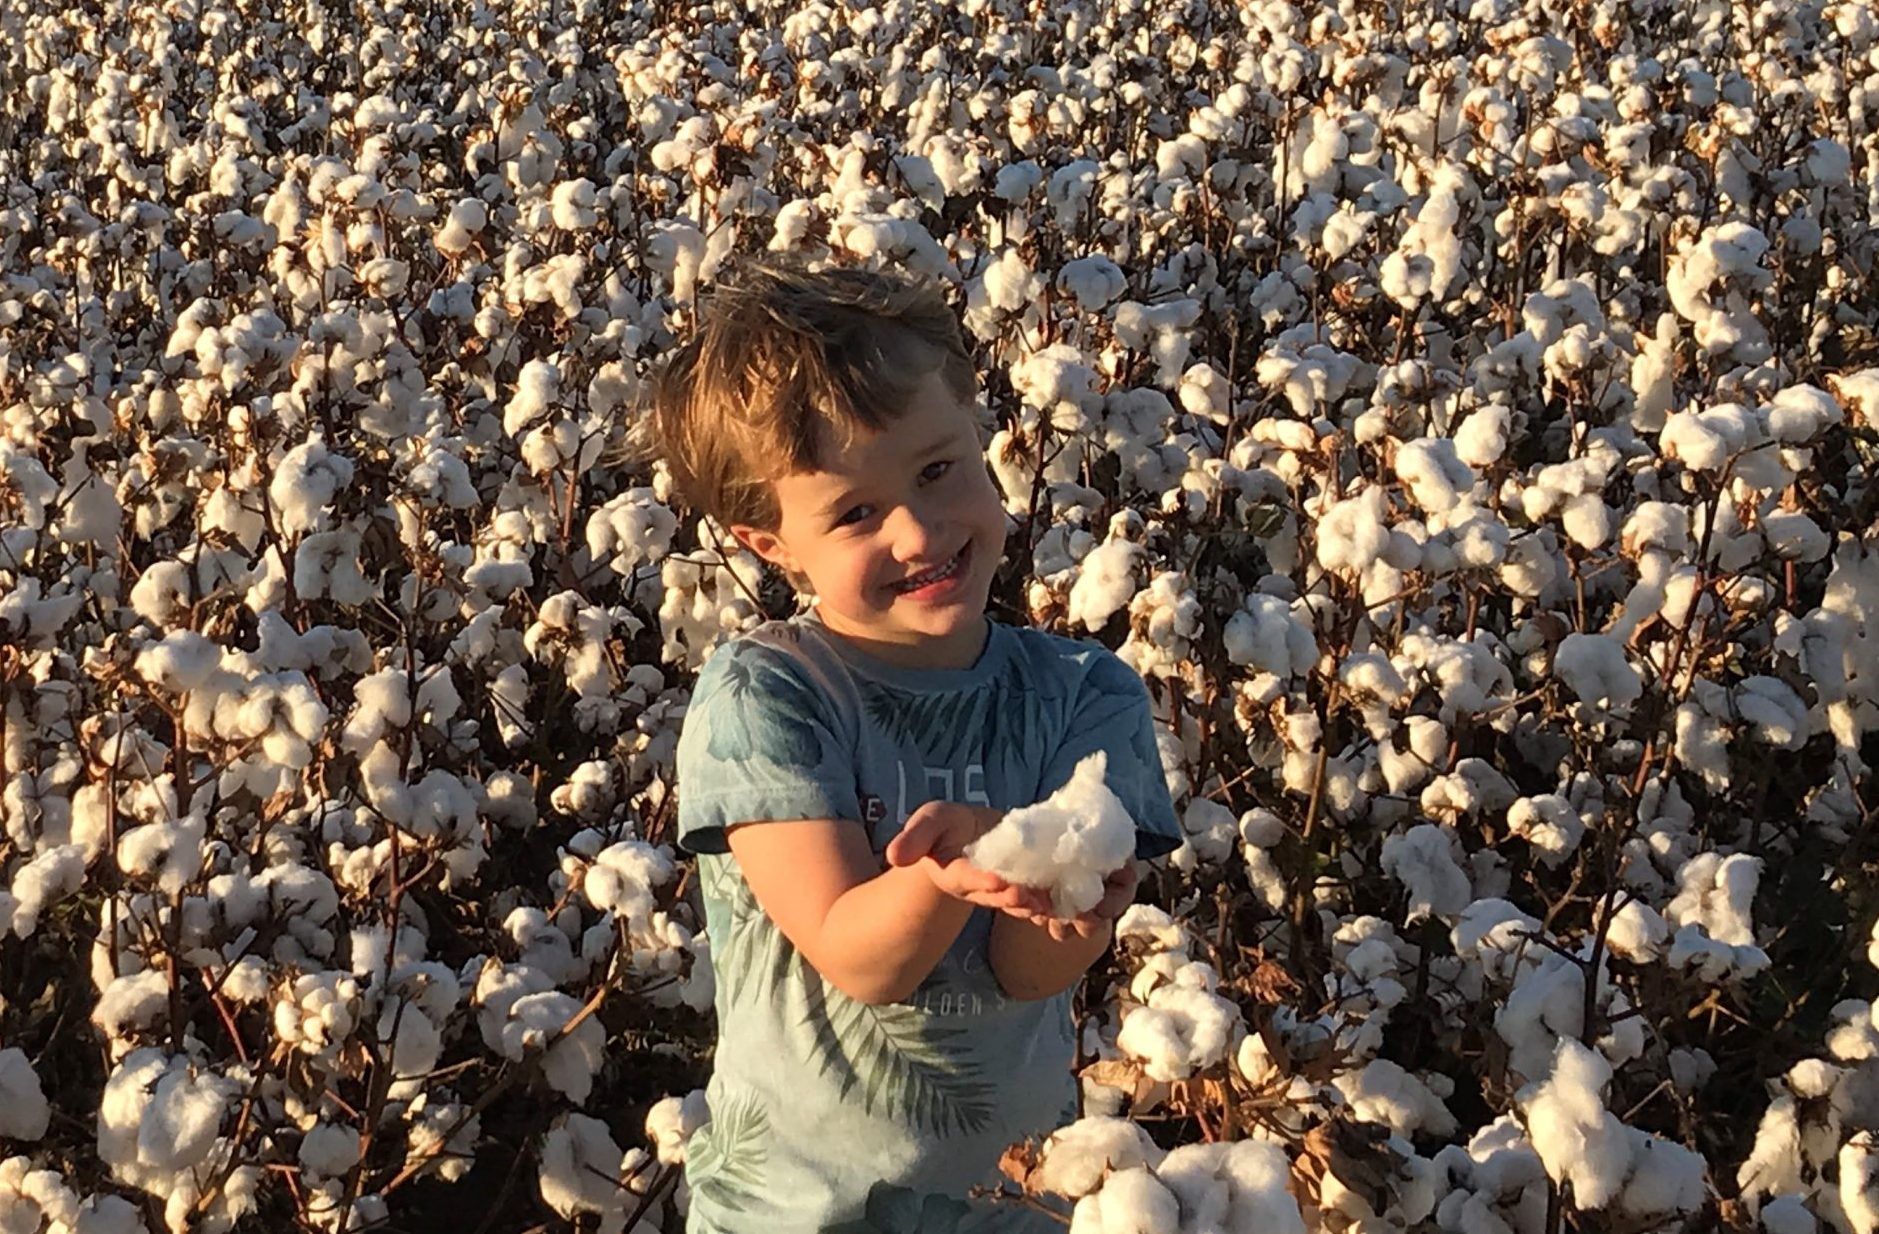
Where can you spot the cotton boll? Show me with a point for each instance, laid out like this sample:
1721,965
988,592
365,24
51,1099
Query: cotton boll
1859,1182
1076,1159
1107,580
1266,635
1775,714
51,875
24,1113
526,1023
1578,1139
304,486
573,205
1433,470
1637,932
580,1169
1066,844
1550,824
1717,893
1665,1178
1093,281
631,529
1352,534
624,878
1594,667
672,1121
180,661
1241,1185
329,1150
1182,1029
1385,1093
1423,860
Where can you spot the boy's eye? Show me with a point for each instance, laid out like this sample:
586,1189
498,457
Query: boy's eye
854,514
933,471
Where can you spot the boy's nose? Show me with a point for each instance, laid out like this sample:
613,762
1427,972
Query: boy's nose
915,534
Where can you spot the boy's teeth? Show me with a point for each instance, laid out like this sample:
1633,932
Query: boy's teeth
930,576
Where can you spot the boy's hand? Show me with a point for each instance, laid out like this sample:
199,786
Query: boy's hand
938,832
1118,893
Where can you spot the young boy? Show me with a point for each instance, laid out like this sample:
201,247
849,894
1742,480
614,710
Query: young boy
890,1017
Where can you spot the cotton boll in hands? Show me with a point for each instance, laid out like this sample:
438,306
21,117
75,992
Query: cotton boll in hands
1066,844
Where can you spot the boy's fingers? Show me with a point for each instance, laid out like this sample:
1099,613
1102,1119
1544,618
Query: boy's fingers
915,841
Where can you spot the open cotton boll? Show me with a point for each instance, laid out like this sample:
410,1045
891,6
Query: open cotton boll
1265,634
1423,860
1075,1159
1437,477
1705,440
1354,533
304,484
1775,713
1579,1141
1131,1201
671,1122
580,1169
329,1150
1092,281
180,661
625,877
1859,1182
1549,823
1385,1093
630,530
573,205
571,1062
1181,1029
1066,844
1107,580
24,1114
1717,894
1241,1186
537,387
1594,667
1637,932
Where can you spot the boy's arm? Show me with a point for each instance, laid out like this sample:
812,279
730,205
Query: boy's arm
875,935
1036,956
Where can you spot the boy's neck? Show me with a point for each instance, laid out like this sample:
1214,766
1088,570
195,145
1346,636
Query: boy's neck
951,652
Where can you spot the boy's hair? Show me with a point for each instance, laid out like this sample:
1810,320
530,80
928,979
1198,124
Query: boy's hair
783,354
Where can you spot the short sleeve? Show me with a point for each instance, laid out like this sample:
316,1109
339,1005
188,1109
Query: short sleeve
1111,713
758,744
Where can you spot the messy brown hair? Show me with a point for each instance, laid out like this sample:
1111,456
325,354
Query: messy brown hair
785,358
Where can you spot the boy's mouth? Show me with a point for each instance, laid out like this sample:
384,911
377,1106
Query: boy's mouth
937,574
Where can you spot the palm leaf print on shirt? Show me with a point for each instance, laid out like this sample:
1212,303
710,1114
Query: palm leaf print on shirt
893,1058
753,945
725,1161
764,713
943,726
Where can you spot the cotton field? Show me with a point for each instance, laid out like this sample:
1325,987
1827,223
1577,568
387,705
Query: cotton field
1463,413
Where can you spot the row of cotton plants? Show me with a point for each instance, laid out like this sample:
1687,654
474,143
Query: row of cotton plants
1462,414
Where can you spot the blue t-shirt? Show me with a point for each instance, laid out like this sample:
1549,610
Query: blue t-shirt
815,1097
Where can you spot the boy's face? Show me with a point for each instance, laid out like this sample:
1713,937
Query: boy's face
899,535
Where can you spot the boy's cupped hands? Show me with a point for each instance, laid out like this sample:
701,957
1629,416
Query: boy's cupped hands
938,833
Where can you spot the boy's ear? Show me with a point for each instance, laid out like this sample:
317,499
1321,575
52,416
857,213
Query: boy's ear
766,544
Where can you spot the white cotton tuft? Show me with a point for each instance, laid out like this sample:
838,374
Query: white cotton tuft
1423,860
1066,844
1594,668
1578,1139
24,1113
1076,1158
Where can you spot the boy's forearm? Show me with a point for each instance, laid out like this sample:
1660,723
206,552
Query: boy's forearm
883,937
1030,964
